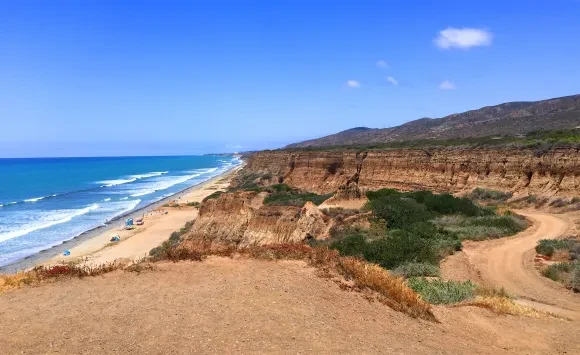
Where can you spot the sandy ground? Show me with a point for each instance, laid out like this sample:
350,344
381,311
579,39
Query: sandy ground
136,243
508,263
229,306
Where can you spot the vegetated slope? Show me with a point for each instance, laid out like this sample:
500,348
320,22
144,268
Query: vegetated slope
247,306
510,118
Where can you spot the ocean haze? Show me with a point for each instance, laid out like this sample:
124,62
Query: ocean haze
124,148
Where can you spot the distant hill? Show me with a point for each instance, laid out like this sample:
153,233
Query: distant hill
508,119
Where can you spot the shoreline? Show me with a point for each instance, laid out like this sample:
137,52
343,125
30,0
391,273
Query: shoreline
115,225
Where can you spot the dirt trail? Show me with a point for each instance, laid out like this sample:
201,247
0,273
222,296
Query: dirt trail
508,263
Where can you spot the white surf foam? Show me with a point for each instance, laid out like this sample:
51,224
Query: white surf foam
148,175
35,199
124,198
45,220
162,184
109,183
107,200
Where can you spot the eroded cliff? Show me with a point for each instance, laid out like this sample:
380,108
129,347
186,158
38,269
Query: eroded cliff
452,169
240,219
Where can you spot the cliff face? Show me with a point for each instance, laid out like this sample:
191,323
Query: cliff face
555,172
240,219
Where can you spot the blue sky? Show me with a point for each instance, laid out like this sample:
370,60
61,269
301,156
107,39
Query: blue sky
178,77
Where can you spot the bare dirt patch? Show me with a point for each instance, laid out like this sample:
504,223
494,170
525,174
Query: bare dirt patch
223,305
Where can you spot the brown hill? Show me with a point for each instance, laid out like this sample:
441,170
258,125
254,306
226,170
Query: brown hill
509,119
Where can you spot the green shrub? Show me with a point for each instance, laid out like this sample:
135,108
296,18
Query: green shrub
280,188
558,244
484,227
413,269
422,242
567,273
489,195
557,271
354,244
411,207
400,246
575,279
193,204
442,292
213,195
399,212
531,199
294,198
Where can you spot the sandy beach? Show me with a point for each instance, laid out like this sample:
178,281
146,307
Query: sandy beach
95,247
158,224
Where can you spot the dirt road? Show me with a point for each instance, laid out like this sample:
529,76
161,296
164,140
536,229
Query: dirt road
508,263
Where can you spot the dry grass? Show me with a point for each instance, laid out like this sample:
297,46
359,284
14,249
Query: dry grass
500,302
395,293
504,305
45,273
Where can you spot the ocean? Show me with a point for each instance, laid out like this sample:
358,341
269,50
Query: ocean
46,201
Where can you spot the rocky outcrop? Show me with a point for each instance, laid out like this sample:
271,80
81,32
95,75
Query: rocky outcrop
520,170
240,219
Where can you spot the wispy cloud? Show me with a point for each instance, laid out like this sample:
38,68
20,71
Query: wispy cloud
463,38
392,80
353,84
382,64
234,146
447,85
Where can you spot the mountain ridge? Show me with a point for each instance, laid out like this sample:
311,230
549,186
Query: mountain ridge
506,119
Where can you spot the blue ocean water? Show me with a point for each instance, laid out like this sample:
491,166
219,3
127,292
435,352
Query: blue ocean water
46,201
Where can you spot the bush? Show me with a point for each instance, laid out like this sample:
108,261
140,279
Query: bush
484,227
544,249
398,247
405,208
213,195
442,292
294,198
413,269
557,272
559,244
352,245
575,279
193,204
279,188
399,212
420,242
489,195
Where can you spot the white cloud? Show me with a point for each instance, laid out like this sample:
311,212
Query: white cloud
353,84
463,38
234,146
382,64
447,85
392,80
